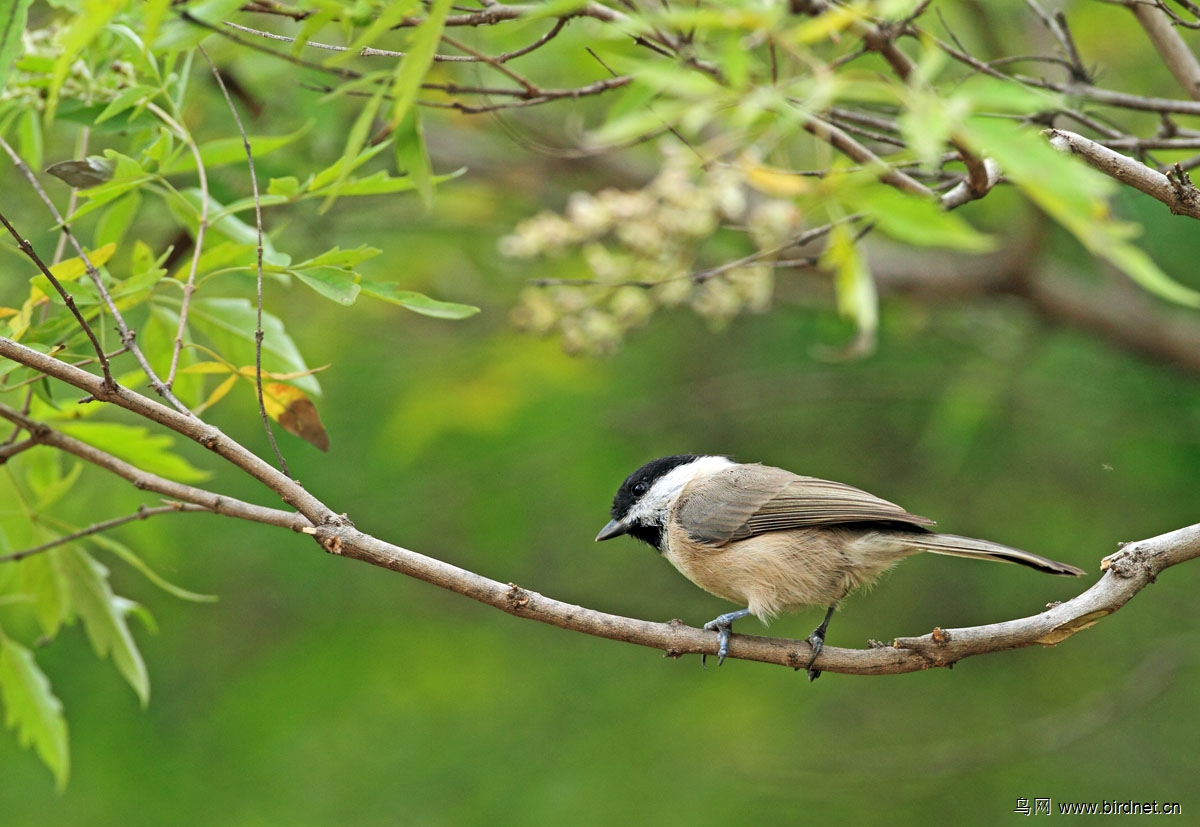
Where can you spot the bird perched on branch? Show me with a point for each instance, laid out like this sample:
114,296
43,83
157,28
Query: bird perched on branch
774,541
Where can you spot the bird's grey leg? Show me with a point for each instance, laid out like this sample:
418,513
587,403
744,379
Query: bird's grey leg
817,641
723,625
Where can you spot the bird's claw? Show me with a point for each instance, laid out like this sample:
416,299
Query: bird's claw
817,641
723,626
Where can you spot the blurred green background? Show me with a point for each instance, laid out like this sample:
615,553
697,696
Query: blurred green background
319,690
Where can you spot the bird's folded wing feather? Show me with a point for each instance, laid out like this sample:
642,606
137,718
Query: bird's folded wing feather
752,499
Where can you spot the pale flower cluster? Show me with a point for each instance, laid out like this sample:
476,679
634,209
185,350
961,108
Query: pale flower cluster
638,252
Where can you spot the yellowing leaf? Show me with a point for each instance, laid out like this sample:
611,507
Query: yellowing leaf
828,25
292,409
73,268
776,182
218,393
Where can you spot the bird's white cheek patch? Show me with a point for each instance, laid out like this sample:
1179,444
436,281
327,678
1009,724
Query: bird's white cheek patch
656,504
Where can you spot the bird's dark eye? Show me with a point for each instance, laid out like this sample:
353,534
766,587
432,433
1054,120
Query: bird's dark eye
641,487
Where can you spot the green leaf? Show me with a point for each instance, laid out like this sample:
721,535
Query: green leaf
51,491
412,156
129,556
381,183
417,302
132,96
230,324
288,186
151,452
340,169
181,35
231,150
223,222
410,72
153,12
915,220
355,140
40,580
115,221
30,139
157,337
104,616
857,298
31,708
332,283
332,273
13,14
83,28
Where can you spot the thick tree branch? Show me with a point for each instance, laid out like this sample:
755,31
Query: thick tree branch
1175,191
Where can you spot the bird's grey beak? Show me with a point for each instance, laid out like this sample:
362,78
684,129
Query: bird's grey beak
615,528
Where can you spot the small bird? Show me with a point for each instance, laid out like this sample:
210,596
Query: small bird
774,541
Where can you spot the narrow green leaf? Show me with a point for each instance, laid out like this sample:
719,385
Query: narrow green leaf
85,25
115,221
51,491
180,34
31,708
13,14
381,183
411,70
412,157
915,220
287,187
417,302
332,273
153,12
104,616
355,140
337,257
30,139
225,223
129,556
857,298
132,96
222,151
337,170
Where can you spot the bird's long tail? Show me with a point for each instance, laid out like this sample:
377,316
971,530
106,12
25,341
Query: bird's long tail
957,546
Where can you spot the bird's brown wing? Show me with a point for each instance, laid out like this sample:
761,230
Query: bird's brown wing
745,500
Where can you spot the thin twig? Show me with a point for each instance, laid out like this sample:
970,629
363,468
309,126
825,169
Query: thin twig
259,335
143,512
189,285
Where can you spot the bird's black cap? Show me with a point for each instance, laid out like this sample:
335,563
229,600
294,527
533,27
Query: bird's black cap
640,481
